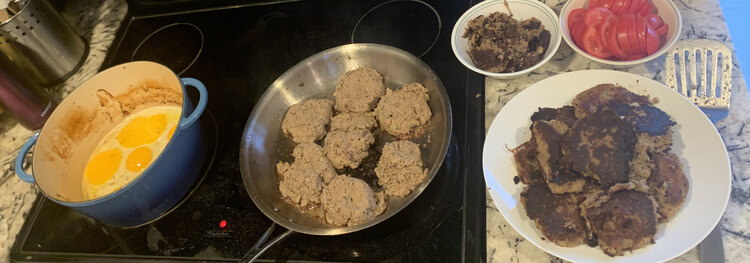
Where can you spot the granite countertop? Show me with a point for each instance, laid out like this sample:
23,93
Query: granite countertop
96,21
702,19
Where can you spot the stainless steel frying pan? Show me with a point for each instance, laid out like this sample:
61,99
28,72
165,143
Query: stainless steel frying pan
263,143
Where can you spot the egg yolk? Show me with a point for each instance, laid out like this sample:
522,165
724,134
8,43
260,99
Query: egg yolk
139,159
142,130
171,132
103,166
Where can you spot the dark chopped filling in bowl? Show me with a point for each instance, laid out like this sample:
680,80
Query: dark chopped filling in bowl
501,44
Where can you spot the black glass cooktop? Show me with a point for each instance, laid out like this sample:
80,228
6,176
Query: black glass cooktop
237,52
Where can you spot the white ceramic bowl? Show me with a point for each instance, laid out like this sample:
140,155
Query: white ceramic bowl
522,10
665,8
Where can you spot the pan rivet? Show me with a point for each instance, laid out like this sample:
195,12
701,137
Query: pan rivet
275,209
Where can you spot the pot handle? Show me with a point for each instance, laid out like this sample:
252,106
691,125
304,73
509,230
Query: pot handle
21,156
258,249
197,84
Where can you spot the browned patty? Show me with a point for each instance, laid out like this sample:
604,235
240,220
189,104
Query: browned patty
558,216
645,118
592,100
623,220
548,135
668,185
526,166
601,146
654,131
555,168
565,114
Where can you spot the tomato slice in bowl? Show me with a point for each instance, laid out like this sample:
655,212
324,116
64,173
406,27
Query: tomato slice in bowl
593,45
632,36
596,15
575,16
646,9
606,25
622,37
626,6
609,28
654,20
608,4
636,5
662,30
652,41
618,6
640,31
595,3
577,33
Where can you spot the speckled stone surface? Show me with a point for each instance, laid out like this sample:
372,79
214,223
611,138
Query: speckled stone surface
702,19
96,21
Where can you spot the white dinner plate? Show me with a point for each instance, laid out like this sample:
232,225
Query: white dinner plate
696,142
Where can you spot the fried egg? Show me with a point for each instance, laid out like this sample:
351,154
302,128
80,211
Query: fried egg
128,149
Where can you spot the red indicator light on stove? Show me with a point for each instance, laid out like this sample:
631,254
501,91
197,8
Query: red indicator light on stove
223,223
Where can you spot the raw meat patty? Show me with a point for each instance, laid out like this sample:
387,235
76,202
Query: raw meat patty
400,168
359,90
353,120
347,147
349,201
306,122
404,113
302,181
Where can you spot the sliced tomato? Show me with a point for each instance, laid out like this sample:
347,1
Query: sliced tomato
593,45
575,16
596,15
640,31
595,3
577,33
662,30
622,37
610,29
626,6
635,5
618,6
654,20
652,41
632,36
608,3
605,26
646,9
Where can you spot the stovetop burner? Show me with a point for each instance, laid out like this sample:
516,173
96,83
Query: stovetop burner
411,25
176,46
237,52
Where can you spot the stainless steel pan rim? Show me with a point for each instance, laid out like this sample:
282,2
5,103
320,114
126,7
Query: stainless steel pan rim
397,66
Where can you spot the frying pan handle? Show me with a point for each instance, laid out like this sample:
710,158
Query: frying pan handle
259,248
198,85
22,156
